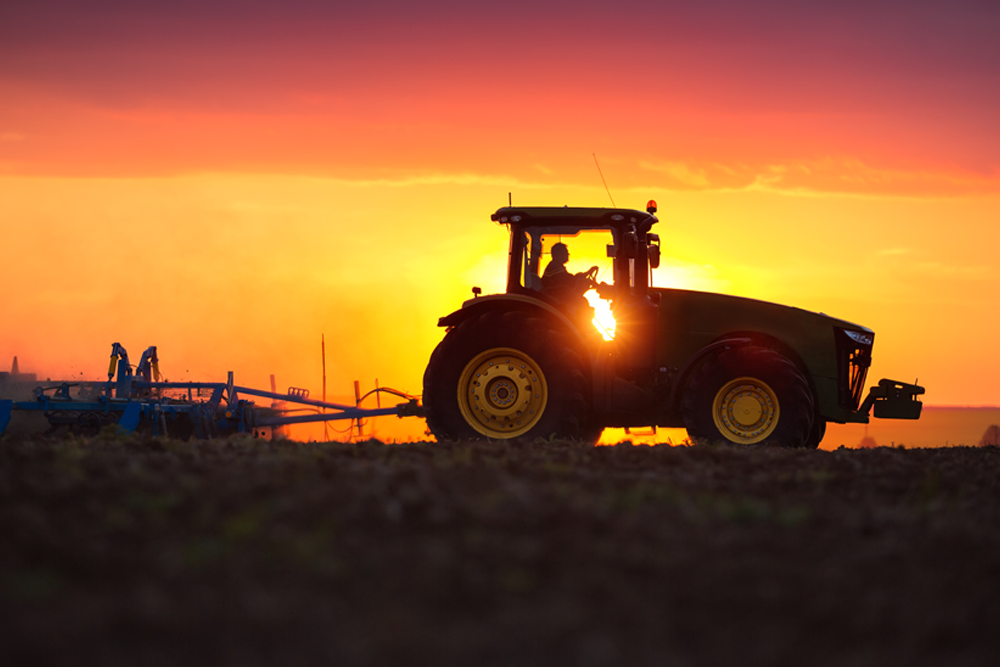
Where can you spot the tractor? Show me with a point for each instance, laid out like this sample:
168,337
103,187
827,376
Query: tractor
530,363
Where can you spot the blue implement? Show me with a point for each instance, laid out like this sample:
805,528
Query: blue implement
184,409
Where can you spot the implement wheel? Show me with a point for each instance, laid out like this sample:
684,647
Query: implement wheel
506,375
748,396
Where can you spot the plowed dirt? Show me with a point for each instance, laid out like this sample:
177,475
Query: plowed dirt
138,551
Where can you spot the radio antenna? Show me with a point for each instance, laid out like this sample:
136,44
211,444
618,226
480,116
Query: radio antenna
604,181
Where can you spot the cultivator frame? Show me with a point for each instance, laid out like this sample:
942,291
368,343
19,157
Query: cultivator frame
134,400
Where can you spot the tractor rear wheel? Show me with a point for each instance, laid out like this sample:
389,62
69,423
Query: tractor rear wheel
506,375
749,395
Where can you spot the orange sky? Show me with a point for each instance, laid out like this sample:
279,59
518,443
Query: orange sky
228,181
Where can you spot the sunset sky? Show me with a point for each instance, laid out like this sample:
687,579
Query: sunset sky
231,180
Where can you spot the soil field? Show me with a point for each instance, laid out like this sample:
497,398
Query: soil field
138,551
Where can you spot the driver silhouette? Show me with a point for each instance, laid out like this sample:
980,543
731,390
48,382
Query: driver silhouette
556,277
568,288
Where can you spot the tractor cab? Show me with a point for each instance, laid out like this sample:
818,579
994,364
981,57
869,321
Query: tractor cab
616,245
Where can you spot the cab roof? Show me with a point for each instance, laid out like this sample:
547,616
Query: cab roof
566,216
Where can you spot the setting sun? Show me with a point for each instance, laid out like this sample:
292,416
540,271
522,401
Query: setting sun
604,319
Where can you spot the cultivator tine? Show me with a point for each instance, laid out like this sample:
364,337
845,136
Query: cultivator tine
130,418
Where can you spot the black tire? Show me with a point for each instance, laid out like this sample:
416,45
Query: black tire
818,431
509,409
593,434
749,395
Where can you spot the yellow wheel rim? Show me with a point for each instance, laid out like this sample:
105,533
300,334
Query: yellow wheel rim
746,411
502,393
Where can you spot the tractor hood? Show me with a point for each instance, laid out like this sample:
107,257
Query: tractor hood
691,321
719,313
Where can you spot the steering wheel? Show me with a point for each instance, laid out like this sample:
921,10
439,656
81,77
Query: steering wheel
591,276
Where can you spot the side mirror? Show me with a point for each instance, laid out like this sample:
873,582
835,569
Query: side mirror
654,249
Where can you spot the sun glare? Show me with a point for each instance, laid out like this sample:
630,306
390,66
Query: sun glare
603,320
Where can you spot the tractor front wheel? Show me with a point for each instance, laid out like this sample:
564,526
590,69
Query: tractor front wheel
818,431
748,396
506,375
